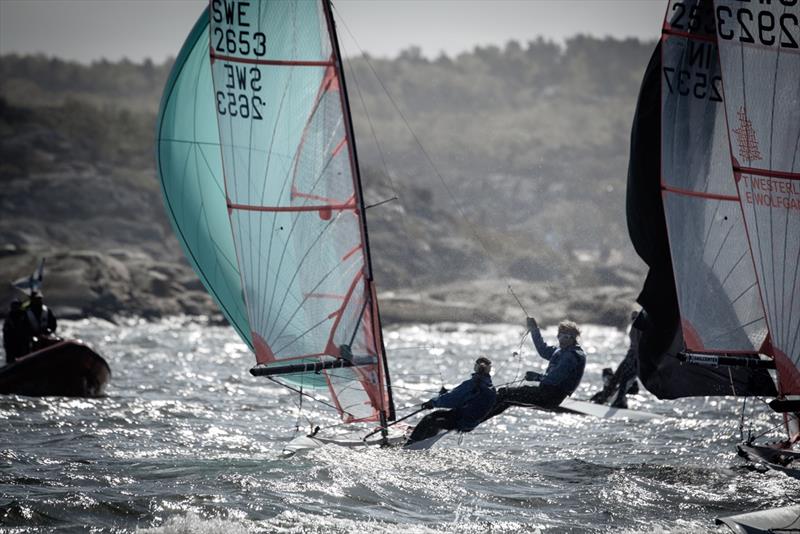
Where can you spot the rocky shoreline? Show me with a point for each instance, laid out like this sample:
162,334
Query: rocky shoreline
125,283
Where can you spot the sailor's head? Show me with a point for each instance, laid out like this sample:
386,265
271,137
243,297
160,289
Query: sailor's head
36,300
567,334
483,366
16,305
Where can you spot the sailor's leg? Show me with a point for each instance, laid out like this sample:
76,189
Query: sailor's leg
620,401
429,426
626,384
501,404
449,420
542,396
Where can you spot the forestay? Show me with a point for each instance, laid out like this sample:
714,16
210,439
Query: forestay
293,196
759,47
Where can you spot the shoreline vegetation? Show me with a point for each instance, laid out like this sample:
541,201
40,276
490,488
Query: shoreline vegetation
530,143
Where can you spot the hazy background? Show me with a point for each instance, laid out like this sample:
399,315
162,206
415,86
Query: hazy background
89,30
523,107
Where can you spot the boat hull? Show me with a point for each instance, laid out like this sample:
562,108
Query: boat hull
65,369
603,411
783,460
785,519
300,444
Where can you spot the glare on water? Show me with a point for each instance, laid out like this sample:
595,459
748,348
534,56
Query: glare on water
188,441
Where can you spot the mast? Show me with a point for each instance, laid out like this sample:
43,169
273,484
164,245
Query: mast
326,5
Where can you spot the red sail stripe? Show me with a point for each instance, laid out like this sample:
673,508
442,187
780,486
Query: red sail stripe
767,172
339,147
271,62
337,207
699,194
667,30
353,251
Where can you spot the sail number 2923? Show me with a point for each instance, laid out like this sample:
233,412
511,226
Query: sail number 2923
753,26
748,24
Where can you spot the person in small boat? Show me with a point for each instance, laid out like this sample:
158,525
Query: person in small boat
623,380
16,332
560,380
41,320
467,403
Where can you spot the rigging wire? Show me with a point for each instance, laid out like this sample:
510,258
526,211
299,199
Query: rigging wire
425,153
315,399
436,171
403,214
741,420
428,158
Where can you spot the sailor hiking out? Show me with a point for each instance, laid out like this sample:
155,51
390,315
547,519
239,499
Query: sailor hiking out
16,332
560,380
468,403
623,380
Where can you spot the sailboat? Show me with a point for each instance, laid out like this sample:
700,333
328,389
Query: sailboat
761,71
260,177
55,367
723,276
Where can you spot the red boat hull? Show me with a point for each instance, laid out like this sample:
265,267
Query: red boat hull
65,369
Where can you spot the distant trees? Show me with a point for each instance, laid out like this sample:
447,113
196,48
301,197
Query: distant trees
531,137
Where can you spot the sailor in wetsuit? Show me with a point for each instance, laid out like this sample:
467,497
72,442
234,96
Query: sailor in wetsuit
16,332
41,321
468,404
559,381
623,380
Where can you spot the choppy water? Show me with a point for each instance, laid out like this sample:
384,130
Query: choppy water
188,441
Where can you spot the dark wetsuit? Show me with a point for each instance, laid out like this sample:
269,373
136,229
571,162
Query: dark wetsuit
16,335
469,402
561,378
42,325
624,378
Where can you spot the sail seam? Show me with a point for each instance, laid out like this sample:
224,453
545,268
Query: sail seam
699,194
697,37
270,62
768,173
333,207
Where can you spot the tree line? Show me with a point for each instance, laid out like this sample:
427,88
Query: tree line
531,138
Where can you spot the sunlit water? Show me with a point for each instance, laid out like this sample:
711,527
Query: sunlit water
188,441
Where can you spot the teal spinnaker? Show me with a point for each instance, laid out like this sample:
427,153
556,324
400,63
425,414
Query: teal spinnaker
189,165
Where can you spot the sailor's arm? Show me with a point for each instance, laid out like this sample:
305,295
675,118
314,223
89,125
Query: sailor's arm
453,398
545,351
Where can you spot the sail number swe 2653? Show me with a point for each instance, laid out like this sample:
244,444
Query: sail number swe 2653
234,39
234,101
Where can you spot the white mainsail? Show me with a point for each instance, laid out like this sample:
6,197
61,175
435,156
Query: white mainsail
759,46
